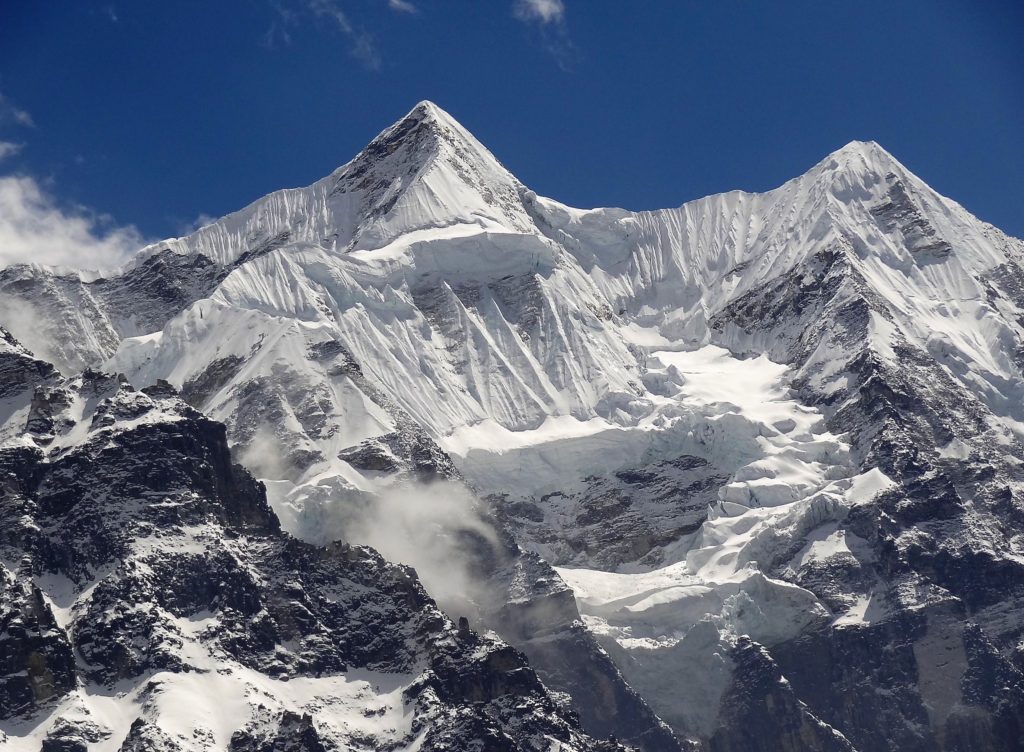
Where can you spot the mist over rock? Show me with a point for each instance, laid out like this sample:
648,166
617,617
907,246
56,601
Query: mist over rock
153,574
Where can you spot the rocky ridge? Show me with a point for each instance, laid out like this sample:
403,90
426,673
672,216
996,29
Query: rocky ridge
150,574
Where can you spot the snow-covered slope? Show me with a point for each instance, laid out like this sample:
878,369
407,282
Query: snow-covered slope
748,427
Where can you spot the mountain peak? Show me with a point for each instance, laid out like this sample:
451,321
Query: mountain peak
861,148
427,110
423,135
858,155
863,173
427,170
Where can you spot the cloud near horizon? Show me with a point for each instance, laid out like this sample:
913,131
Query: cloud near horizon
34,229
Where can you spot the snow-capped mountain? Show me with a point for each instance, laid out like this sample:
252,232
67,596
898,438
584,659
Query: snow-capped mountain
743,474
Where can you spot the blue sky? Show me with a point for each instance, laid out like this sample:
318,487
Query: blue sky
133,119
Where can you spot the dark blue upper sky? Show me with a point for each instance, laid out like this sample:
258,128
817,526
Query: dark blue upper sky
156,113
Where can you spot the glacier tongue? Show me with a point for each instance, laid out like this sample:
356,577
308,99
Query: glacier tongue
787,476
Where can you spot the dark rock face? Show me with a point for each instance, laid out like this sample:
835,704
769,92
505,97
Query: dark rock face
626,516
139,509
499,686
933,557
20,369
863,680
922,666
71,736
36,663
409,454
197,390
898,215
162,285
82,322
144,736
293,733
764,714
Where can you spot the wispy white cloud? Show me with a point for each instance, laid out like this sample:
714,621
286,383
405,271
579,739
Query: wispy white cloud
402,6
548,18
290,14
277,32
33,228
361,45
10,113
541,11
9,149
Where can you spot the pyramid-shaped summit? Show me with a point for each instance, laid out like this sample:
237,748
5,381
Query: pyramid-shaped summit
427,171
424,172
